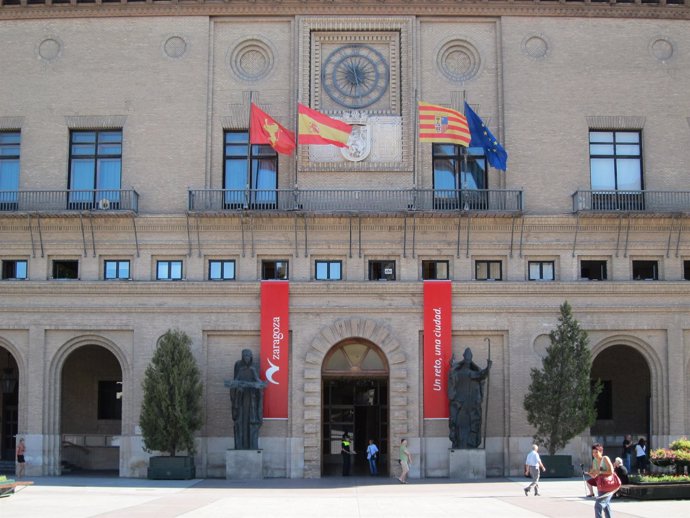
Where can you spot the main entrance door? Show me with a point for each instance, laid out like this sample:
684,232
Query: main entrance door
355,400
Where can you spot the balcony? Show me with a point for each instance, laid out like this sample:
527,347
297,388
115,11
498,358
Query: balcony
333,201
57,202
649,202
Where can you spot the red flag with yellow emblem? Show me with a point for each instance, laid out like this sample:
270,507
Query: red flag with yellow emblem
263,129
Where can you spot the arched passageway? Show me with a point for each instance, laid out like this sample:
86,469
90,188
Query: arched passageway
9,407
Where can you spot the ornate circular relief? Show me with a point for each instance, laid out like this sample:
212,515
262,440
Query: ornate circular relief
50,48
458,60
661,48
251,60
535,46
175,47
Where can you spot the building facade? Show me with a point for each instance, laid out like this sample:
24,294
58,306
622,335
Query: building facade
131,202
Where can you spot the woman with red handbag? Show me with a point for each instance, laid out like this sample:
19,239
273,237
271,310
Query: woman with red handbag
606,479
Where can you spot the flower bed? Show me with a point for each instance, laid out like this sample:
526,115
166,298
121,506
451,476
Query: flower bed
664,486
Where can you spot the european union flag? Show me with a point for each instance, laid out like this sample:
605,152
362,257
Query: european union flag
482,137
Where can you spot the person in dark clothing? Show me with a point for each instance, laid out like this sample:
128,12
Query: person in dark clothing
345,452
641,455
627,452
620,470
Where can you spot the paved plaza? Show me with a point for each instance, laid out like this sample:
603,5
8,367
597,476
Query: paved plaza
76,497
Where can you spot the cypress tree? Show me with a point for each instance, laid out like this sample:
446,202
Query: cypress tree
171,410
560,401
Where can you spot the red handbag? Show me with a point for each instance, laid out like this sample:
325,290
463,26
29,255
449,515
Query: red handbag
608,483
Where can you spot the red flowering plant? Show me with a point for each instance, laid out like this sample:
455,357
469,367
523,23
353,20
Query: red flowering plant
677,454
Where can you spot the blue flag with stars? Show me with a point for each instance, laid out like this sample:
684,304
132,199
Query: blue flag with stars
482,137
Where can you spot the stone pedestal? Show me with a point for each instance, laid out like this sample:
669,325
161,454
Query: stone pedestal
244,464
467,464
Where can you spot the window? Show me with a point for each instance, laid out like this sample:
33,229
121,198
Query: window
110,400
14,269
615,159
604,402
488,270
457,170
95,164
593,270
329,270
113,269
274,270
169,270
252,167
435,270
686,270
541,270
65,269
381,270
645,270
9,169
221,270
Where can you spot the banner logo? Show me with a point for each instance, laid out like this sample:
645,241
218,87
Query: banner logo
270,372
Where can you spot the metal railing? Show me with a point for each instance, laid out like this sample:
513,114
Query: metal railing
631,201
355,200
101,200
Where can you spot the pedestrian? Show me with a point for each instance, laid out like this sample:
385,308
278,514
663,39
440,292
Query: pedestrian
628,447
533,465
603,473
405,461
372,457
345,452
619,468
21,461
641,455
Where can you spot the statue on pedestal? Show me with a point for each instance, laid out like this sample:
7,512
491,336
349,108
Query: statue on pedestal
465,394
247,397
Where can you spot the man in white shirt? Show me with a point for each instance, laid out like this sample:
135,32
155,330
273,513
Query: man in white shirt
533,466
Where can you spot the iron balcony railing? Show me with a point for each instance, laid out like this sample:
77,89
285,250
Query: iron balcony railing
355,200
631,201
101,200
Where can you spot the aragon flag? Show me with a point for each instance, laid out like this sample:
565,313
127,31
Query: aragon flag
318,128
263,129
441,124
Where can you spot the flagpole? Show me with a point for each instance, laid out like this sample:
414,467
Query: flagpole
249,151
415,158
296,160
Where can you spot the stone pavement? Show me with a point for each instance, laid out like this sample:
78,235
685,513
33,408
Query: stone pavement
77,497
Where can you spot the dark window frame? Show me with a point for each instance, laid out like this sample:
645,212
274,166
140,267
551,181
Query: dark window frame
237,149
329,263
9,140
589,265
457,173
686,270
169,263
432,264
9,269
270,269
488,263
377,270
616,156
118,269
541,270
604,402
61,269
222,264
638,264
109,404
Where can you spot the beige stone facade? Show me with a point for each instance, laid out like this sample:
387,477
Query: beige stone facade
175,76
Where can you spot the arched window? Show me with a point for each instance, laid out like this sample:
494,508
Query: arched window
355,358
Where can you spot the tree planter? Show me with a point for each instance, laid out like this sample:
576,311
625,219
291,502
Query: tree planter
171,468
652,491
557,466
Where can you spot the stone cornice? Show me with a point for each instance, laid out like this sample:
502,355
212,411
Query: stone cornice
495,8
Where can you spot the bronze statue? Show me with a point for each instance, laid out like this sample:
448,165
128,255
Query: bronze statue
247,397
465,394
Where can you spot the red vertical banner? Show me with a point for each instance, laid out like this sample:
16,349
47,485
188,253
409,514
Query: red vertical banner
438,321
275,326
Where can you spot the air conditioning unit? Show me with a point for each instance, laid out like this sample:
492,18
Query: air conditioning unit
104,204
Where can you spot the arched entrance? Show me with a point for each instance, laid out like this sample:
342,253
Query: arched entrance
623,406
355,397
91,410
9,408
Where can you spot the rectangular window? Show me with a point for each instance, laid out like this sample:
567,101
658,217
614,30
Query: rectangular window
169,270
381,270
604,403
250,173
9,169
13,269
110,400
459,172
221,270
436,270
541,271
95,168
615,159
686,270
593,270
645,270
328,270
274,270
65,269
488,270
113,269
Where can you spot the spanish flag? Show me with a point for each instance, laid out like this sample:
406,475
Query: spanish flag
263,129
317,128
440,124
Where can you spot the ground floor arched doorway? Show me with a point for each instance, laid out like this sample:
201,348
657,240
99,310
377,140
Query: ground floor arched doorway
623,406
355,399
9,408
91,411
